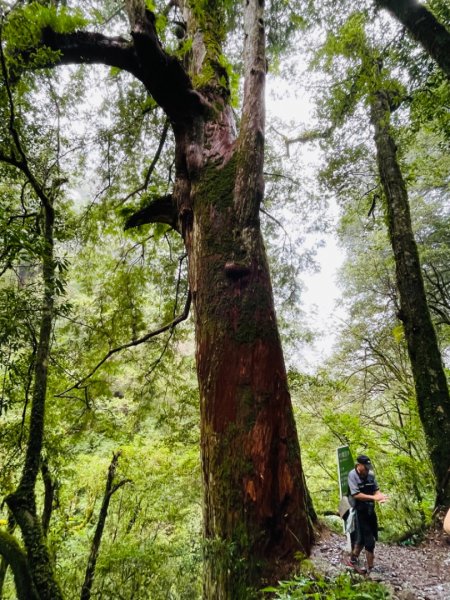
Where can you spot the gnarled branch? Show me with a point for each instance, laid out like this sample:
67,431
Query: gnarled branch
88,47
162,74
161,210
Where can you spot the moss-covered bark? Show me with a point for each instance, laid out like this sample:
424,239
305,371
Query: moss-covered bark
428,372
255,512
16,558
22,502
255,501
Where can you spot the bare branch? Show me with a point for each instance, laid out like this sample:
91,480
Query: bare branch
152,166
307,136
110,489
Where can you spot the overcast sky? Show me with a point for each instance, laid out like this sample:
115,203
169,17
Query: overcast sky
320,301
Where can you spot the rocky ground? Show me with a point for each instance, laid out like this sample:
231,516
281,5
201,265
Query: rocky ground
412,572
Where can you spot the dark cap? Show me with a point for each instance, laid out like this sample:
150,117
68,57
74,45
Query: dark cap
362,459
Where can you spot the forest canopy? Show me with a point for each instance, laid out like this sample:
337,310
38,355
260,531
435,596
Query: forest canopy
161,433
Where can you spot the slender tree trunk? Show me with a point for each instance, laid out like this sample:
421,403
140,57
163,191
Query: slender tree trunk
22,502
426,362
110,488
424,27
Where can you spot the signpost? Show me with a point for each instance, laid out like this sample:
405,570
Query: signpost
345,465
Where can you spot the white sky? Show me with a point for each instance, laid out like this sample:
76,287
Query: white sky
320,300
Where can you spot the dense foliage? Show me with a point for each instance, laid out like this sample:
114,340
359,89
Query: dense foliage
113,386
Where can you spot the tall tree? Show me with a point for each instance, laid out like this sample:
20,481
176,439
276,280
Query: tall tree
22,502
256,514
429,377
373,84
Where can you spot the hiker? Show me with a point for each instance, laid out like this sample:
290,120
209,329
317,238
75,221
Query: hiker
363,493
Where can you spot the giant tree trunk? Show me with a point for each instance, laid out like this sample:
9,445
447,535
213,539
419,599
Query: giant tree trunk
428,372
255,508
255,515
255,511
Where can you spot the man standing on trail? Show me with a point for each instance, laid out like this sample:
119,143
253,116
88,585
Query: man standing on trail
363,493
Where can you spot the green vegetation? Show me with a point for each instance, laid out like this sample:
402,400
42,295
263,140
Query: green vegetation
342,587
89,146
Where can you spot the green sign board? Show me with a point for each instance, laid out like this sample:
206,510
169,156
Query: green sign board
345,465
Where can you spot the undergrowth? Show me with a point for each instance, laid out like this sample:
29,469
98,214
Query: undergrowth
317,587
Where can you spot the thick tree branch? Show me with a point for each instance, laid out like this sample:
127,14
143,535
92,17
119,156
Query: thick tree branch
424,27
161,210
86,47
184,315
162,74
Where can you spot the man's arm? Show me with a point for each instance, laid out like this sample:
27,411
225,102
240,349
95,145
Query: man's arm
378,497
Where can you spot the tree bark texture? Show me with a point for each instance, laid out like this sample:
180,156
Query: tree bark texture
49,496
22,502
426,362
256,512
14,556
424,27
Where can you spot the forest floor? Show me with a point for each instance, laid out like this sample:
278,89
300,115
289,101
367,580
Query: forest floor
419,572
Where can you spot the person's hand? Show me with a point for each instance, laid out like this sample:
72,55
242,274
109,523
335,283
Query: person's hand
379,497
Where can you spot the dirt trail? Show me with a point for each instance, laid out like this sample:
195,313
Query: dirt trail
412,572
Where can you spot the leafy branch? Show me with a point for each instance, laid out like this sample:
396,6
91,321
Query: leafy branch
169,327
